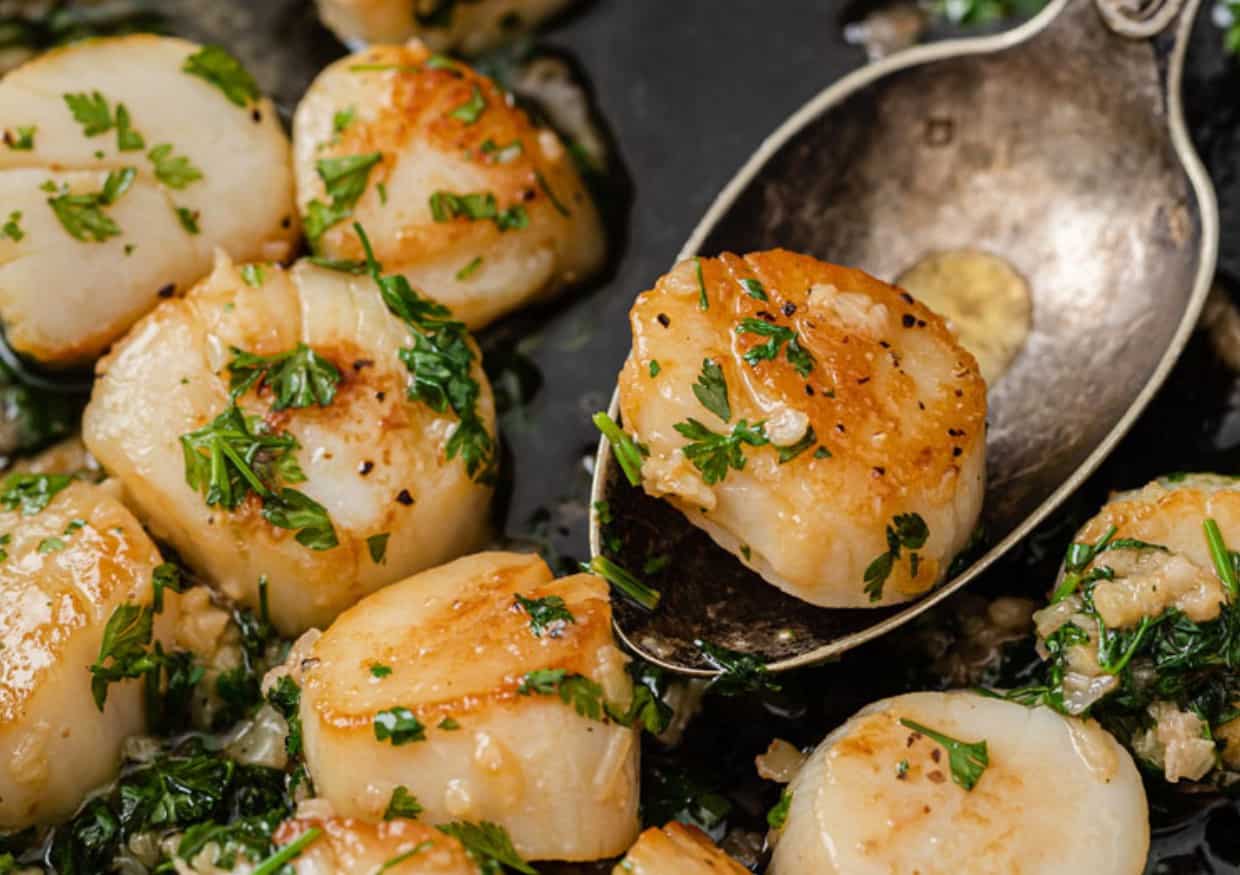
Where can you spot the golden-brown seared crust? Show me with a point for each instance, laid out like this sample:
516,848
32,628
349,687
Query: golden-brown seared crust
416,112
46,597
858,388
677,849
462,653
352,846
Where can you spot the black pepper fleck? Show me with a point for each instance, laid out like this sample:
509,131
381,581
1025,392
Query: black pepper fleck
167,291
366,467
908,299
358,364
789,308
663,320
379,396
908,320
257,116
403,497
956,451
879,471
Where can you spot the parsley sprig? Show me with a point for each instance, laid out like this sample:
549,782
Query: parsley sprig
344,181
441,362
547,614
234,456
711,389
967,760
297,378
31,493
906,531
778,337
217,66
82,215
628,452
489,845
713,454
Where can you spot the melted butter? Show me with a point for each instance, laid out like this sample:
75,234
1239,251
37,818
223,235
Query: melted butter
985,301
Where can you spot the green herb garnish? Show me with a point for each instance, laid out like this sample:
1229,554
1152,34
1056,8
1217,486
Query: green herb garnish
968,761
297,378
777,335
225,72
624,581
713,453
174,171
31,493
344,181
908,531
402,804
398,726
489,846
711,389
628,452
547,614
471,110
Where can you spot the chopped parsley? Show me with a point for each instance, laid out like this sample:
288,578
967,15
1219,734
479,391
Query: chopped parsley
278,861
252,275
174,171
380,671
31,493
23,141
377,546
468,270
50,545
907,531
225,72
477,206
188,219
628,452
82,215
285,697
968,761
471,110
547,614
585,696
703,301
234,456
344,265
441,362
402,804
502,154
449,725
655,368
713,453
1224,562
739,673
12,228
127,139
344,181
342,118
489,846
90,111
623,580
400,858
778,816
754,289
790,452
777,335
398,726
297,378
711,389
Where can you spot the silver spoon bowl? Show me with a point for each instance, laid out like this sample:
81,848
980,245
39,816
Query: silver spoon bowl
1059,146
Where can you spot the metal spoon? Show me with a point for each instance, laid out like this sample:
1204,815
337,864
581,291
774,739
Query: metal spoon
1059,146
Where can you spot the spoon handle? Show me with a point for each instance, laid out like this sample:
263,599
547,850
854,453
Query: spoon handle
1141,20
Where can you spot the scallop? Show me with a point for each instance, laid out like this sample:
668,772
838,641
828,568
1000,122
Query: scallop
382,485
881,795
820,424
344,846
128,162
1138,608
469,26
480,688
676,849
457,189
65,570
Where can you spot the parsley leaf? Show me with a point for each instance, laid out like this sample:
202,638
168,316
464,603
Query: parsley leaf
90,111
82,214
468,270
623,580
754,289
344,180
778,816
342,118
188,219
301,513
585,695
298,378
968,761
907,530
225,72
399,726
446,206
489,845
739,673
31,493
380,671
471,110
711,390
285,697
402,804
12,229
252,275
628,452
127,139
502,154
23,141
174,171
547,614
441,361
377,545
778,335
703,301
791,451
713,453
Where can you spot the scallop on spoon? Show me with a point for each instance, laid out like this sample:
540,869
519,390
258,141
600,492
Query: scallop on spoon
1050,164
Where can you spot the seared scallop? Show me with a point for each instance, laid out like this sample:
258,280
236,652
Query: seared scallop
676,849
820,424
457,189
942,783
128,161
1139,623
469,26
72,555
484,690
331,474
